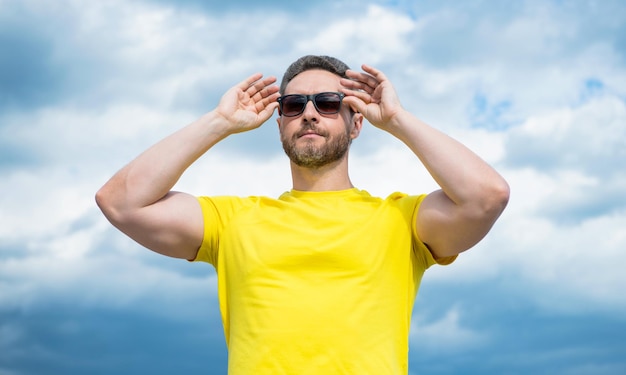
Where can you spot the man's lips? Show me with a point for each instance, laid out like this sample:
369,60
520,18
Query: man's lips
309,133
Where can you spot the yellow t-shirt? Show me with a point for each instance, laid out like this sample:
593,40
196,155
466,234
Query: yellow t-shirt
315,282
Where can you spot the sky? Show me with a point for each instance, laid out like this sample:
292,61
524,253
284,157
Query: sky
536,88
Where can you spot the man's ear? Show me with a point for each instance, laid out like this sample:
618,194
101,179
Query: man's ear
357,124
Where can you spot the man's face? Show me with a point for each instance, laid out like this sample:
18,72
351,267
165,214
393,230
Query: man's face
311,139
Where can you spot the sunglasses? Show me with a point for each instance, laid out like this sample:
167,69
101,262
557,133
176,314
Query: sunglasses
326,103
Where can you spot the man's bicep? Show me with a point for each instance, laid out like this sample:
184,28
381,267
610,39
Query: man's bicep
173,226
447,229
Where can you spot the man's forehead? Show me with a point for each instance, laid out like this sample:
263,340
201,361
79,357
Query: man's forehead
313,81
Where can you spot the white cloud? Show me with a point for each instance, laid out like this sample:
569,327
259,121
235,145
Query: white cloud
377,35
575,268
590,138
38,205
446,334
85,271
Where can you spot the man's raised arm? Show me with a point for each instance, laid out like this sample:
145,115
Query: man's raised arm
138,199
472,195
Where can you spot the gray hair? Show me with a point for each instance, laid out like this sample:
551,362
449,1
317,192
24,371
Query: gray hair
311,62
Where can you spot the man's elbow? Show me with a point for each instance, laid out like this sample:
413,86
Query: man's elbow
106,200
482,216
496,198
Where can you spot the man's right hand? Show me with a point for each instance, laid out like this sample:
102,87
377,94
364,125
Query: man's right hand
248,104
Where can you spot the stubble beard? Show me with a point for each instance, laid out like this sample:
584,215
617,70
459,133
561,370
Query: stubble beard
313,156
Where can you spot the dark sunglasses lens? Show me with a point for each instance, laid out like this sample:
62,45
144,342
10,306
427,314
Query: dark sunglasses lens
328,103
293,104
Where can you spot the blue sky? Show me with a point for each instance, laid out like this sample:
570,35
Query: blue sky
537,88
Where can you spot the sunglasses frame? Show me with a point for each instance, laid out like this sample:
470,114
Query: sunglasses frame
312,98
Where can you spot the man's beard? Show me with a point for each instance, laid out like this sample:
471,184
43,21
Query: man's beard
313,156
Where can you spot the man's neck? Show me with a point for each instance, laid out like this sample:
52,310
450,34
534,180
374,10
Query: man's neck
331,177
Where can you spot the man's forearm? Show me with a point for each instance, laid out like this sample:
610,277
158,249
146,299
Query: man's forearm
150,176
463,176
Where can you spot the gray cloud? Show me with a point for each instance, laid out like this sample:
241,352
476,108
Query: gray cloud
508,322
29,76
68,340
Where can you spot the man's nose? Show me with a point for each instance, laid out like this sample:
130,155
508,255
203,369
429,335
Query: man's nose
310,112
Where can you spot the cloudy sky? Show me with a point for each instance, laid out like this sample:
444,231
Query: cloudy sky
537,88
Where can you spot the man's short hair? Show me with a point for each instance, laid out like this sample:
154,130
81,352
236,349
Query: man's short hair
310,62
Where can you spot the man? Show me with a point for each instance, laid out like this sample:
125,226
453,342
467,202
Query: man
321,280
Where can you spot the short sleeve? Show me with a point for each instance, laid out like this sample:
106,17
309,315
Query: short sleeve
217,212
208,251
